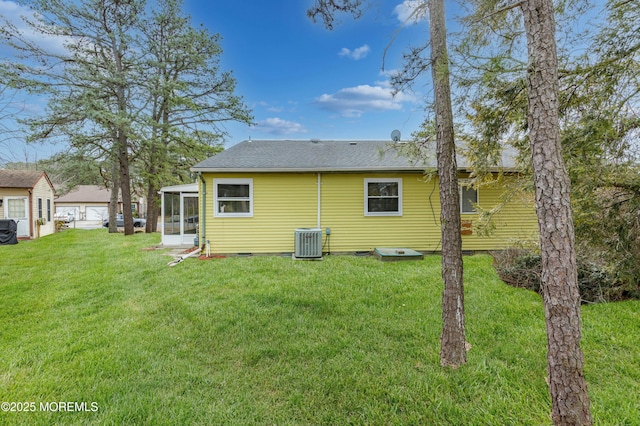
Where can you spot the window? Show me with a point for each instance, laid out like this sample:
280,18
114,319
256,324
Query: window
39,208
48,210
171,214
468,198
16,208
233,197
383,197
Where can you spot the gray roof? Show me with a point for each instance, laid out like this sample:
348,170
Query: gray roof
86,194
91,194
318,156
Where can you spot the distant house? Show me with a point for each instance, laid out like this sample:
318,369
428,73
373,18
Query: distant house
85,202
91,202
28,198
361,194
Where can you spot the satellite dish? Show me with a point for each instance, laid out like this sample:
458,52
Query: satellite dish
395,136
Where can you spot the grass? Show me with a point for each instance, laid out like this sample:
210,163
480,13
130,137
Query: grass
90,317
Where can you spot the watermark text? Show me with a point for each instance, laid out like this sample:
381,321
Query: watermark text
51,406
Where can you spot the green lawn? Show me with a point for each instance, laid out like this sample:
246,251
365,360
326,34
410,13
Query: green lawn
90,317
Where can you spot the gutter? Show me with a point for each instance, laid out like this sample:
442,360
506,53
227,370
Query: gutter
307,170
343,170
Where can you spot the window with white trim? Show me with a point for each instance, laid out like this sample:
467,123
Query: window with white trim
233,197
383,197
468,198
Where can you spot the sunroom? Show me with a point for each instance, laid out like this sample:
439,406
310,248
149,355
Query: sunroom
179,218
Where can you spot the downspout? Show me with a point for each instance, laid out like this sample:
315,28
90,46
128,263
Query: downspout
319,199
184,256
203,215
32,234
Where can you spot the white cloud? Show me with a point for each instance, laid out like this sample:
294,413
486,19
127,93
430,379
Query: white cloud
355,54
355,101
389,73
9,6
16,14
274,108
278,126
411,11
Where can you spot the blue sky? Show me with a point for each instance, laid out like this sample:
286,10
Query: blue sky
300,80
303,81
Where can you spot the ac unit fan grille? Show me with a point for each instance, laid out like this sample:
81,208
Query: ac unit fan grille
308,243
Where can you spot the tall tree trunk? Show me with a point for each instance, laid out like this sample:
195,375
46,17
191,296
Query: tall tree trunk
567,385
125,183
113,200
153,170
122,126
153,206
453,342
159,146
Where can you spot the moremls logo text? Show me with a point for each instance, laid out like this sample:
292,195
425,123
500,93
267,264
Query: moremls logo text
69,406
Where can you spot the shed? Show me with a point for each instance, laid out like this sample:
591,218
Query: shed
27,196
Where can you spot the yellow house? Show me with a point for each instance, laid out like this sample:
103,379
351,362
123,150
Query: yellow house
28,198
262,196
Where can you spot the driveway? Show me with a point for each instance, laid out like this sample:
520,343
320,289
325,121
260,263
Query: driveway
85,224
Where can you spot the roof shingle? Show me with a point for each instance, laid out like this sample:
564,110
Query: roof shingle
86,194
319,156
19,178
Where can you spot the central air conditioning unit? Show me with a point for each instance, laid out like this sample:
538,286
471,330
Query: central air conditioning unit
308,243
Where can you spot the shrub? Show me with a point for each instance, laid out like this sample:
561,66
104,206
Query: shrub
523,268
60,225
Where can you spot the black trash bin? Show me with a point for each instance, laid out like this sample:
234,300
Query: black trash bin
8,232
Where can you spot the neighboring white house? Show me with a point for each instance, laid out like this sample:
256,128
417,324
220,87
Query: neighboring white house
27,197
86,202
180,215
91,202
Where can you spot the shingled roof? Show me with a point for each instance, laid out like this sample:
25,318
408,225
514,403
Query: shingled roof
24,179
86,194
320,156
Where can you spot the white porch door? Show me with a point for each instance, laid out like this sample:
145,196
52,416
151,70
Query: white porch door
17,208
190,218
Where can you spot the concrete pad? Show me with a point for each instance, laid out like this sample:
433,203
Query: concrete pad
396,254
